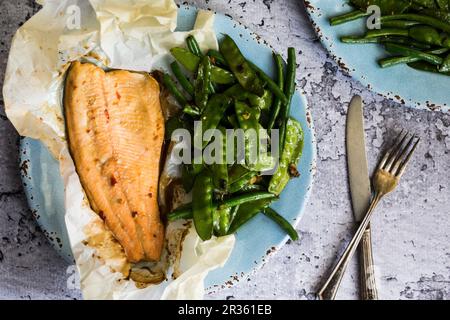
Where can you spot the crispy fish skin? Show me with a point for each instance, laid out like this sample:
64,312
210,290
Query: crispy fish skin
116,131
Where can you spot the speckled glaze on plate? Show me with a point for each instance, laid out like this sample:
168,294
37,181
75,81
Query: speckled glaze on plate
45,191
400,83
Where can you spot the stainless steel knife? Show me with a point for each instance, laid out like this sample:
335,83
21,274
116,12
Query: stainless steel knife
360,191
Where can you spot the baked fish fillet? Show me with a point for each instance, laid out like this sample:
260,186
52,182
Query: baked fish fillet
116,129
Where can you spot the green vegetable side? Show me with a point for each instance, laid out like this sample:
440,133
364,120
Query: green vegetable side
223,90
415,33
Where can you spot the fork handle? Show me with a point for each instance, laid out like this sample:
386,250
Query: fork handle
329,289
368,284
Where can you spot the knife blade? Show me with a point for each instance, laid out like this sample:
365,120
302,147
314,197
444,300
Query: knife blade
360,191
356,159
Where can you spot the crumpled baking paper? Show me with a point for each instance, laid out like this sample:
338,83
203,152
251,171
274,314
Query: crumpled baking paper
123,34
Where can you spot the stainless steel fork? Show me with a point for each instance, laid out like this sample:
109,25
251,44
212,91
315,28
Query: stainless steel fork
385,180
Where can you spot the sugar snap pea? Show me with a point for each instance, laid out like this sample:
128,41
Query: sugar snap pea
211,116
289,157
202,83
426,34
240,67
202,205
282,222
191,62
193,46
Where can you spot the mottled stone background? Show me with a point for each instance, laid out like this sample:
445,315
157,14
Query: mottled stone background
411,227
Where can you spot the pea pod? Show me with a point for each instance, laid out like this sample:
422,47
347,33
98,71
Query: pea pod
425,34
202,83
220,170
222,221
289,157
241,69
445,66
211,116
246,212
242,182
202,205
191,62
248,121
193,46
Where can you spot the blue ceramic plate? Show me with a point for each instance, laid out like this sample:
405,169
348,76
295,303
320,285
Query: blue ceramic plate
44,186
400,83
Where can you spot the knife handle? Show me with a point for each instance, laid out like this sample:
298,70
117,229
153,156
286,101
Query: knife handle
368,283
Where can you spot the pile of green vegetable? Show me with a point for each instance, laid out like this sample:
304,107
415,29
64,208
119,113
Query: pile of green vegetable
413,32
224,90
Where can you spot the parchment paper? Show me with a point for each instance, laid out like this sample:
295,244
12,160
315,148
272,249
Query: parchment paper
123,34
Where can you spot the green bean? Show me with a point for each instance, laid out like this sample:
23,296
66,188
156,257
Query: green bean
289,89
240,67
202,206
277,103
274,87
403,24
253,187
282,222
193,46
246,212
387,32
405,51
419,18
185,212
392,61
347,17
246,198
217,58
202,83
172,87
191,62
398,40
185,83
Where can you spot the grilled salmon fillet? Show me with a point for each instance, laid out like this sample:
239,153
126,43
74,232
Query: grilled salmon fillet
116,129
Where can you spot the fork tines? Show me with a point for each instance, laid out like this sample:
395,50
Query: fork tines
398,156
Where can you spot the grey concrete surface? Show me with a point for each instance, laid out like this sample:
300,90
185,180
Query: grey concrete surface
410,229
